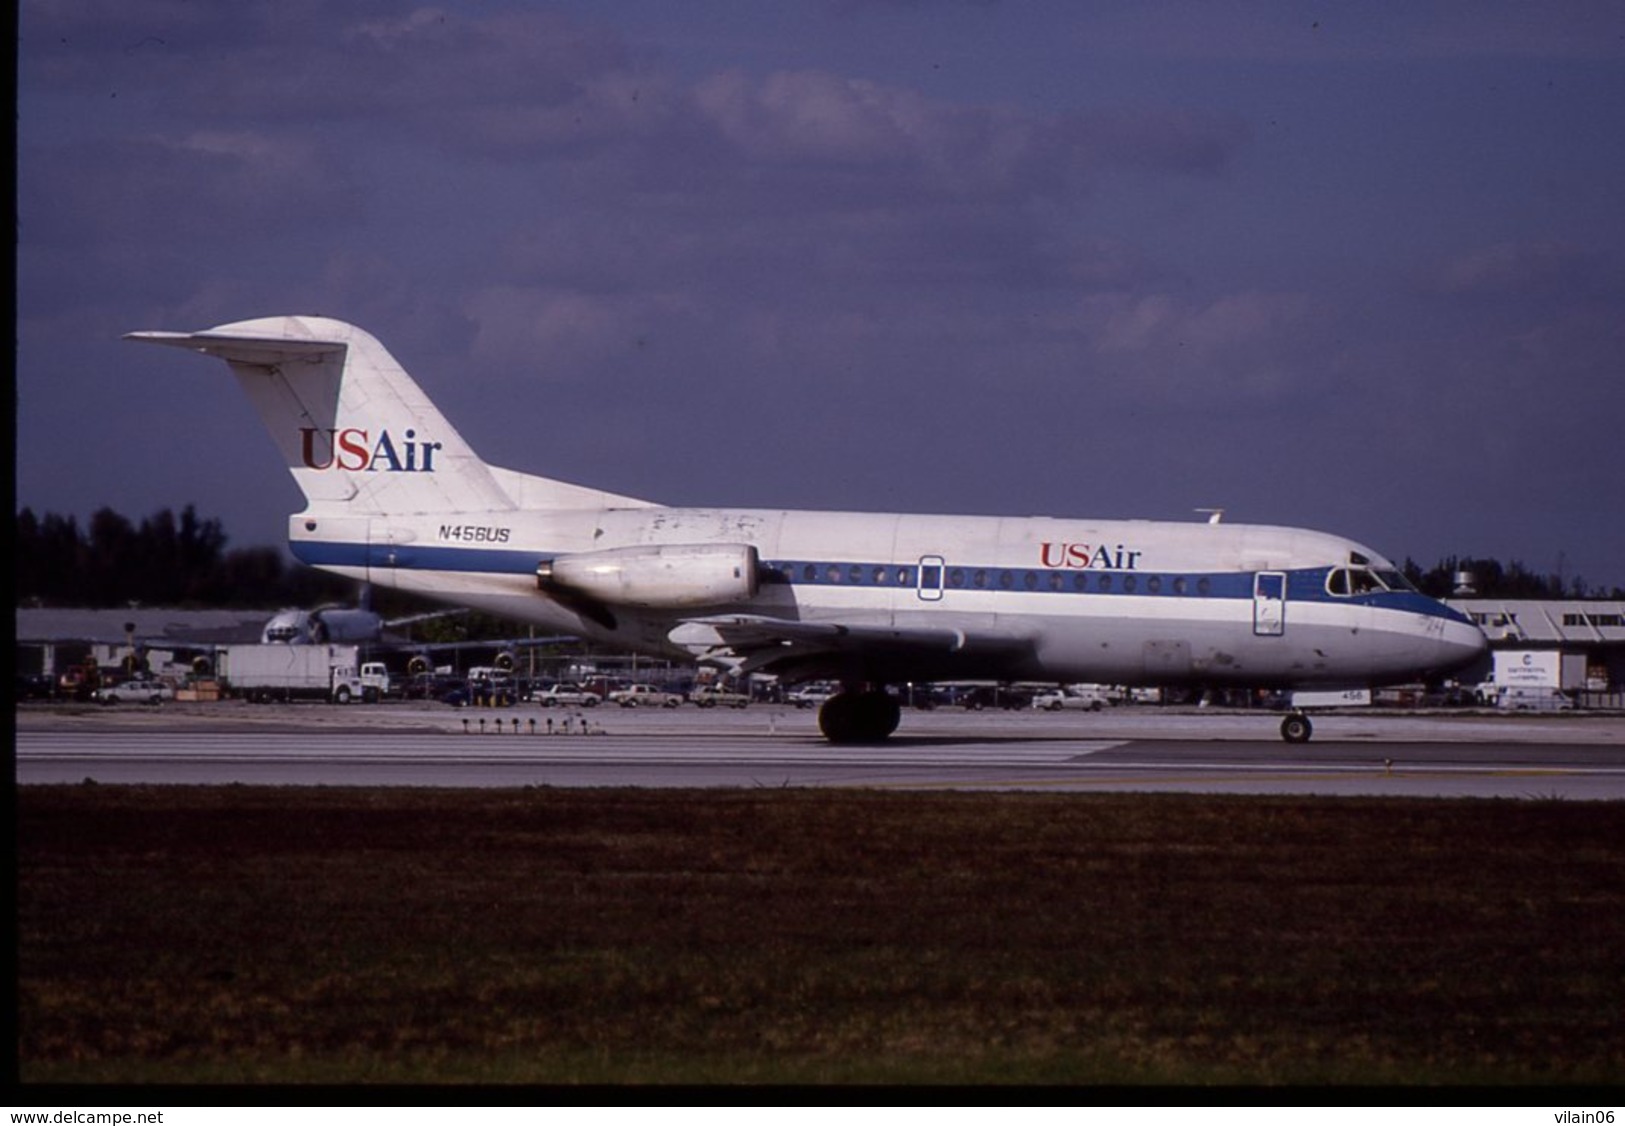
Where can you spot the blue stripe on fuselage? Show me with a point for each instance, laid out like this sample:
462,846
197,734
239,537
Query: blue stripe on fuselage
416,557
1303,585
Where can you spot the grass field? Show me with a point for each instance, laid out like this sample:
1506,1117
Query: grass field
242,934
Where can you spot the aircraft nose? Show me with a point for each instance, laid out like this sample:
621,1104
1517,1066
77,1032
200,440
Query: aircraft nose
1462,643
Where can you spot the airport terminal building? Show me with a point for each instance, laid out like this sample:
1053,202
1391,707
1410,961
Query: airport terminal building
1589,633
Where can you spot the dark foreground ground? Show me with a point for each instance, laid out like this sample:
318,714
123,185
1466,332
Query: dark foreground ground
251,935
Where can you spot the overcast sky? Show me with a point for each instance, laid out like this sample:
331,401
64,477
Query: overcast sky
1354,267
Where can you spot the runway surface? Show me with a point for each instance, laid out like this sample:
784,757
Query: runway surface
1142,749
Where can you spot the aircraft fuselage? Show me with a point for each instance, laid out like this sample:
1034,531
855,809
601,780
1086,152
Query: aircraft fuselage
1120,602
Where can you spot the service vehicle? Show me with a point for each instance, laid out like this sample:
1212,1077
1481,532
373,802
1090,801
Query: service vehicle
1518,699
260,673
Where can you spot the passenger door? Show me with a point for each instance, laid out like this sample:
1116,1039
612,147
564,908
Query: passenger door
1269,603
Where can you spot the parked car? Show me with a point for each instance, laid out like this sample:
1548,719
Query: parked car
567,695
644,696
989,696
136,692
433,686
714,695
811,695
1088,698
38,686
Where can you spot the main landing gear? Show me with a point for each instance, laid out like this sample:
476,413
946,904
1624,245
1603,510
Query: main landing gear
859,717
1296,728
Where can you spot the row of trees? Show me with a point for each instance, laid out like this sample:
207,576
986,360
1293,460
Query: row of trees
169,560
165,560
1494,579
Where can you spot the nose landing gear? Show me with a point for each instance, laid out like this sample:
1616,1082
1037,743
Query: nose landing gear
1296,728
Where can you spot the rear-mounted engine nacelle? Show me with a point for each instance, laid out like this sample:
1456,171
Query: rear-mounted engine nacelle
661,577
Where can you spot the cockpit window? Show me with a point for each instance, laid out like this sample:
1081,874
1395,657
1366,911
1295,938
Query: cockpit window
1395,580
1343,582
1362,581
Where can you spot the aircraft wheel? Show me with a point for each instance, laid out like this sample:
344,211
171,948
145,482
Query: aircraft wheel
1297,729
837,719
859,717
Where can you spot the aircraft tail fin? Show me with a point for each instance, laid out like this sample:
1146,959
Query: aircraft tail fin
355,430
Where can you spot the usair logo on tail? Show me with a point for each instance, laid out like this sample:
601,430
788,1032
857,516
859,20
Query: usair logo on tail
355,450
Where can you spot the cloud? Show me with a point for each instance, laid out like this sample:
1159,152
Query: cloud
1189,353
1518,268
809,117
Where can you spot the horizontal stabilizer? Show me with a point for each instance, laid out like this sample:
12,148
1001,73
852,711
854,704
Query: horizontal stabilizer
243,349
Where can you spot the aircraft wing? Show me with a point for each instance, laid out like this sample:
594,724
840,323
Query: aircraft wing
746,643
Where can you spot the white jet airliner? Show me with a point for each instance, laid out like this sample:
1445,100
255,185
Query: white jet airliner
396,497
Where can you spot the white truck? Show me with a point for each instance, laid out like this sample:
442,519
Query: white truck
1534,680
302,672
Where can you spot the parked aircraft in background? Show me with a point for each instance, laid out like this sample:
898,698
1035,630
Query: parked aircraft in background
341,625
397,498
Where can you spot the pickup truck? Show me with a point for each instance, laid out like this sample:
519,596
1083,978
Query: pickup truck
713,696
644,696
